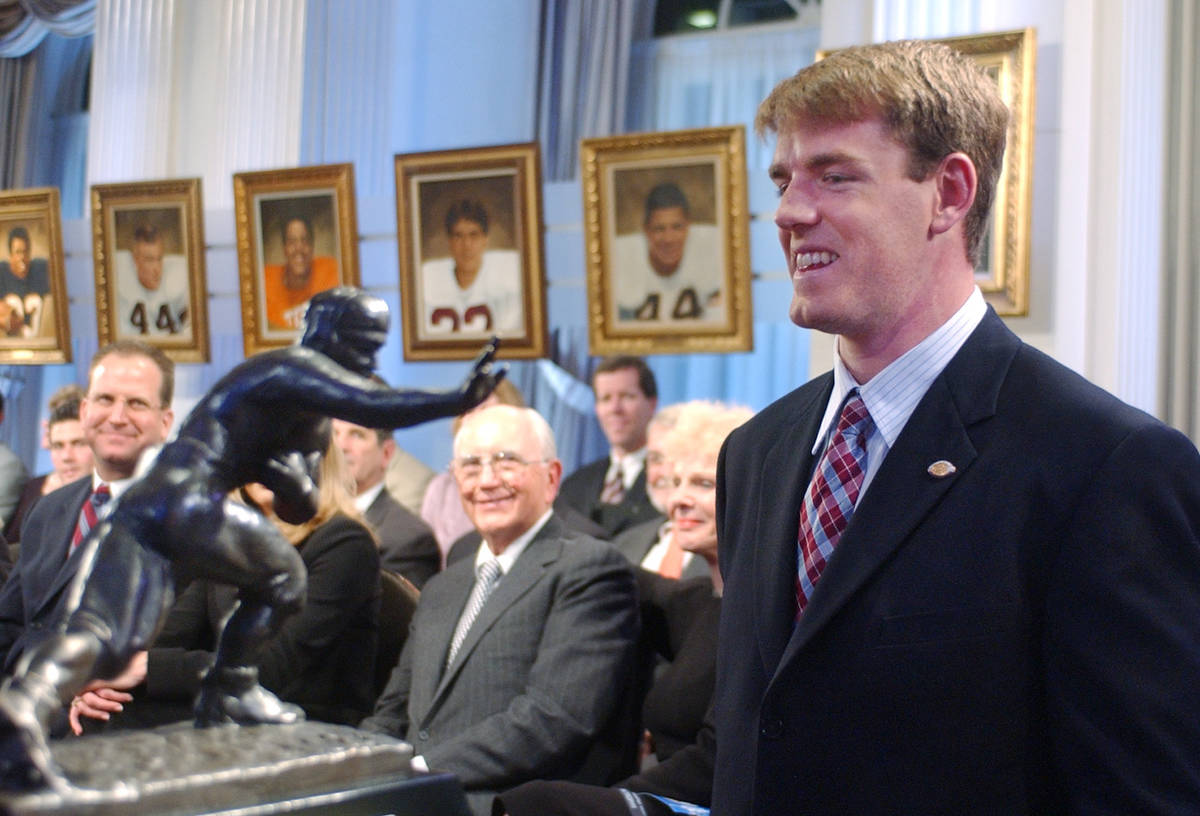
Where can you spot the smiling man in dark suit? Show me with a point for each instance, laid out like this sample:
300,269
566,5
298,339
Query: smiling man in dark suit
498,682
612,491
1009,621
126,411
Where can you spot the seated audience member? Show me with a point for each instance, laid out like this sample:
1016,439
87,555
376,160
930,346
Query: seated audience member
498,680
612,491
70,457
442,507
406,544
13,476
407,479
679,620
125,416
323,659
649,544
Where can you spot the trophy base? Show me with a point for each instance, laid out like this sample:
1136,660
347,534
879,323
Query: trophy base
307,767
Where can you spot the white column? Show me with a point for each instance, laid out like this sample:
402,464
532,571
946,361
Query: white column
195,89
1125,212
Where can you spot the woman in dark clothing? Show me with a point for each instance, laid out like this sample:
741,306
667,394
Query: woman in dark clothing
322,660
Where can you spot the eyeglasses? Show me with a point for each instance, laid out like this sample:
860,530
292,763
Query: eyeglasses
505,464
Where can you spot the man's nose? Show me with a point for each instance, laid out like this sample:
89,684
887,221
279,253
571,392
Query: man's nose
796,209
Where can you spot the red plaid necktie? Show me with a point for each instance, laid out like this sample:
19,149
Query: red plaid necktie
89,514
613,491
831,496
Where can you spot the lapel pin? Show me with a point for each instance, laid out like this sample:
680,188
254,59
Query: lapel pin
941,469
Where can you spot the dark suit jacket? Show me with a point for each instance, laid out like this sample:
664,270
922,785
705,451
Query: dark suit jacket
582,489
31,595
1021,636
634,542
521,700
406,544
323,659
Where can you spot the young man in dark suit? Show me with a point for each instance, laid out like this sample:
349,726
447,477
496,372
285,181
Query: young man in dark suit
959,579
406,544
612,491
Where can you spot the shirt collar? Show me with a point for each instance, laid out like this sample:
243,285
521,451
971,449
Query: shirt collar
513,551
892,395
631,465
365,499
118,486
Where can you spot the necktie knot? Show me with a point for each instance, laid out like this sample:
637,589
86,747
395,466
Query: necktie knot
101,495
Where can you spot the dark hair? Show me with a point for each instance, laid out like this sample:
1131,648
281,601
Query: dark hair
646,380
302,219
146,234
467,209
136,348
664,196
18,232
64,411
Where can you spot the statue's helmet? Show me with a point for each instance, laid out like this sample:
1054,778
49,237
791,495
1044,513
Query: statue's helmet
348,325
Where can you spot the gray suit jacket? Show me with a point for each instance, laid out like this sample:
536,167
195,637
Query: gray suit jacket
634,542
406,544
13,477
540,684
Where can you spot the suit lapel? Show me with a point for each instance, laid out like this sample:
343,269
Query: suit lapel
790,458
529,568
903,492
442,618
55,569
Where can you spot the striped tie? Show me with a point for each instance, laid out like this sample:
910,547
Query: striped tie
832,495
89,515
486,577
613,491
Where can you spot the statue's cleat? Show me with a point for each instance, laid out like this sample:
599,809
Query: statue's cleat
253,706
26,763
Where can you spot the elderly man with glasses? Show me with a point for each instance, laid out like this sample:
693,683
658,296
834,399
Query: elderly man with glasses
497,682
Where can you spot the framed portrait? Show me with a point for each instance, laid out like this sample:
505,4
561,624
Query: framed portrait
1002,272
667,231
148,251
297,234
33,289
469,231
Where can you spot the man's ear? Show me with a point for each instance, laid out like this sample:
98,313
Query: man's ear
956,184
389,450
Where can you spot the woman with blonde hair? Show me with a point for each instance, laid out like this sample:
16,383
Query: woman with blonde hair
322,659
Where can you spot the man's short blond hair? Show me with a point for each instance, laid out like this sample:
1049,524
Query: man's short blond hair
934,100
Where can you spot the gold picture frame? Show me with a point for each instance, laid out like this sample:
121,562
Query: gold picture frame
274,211
33,288
666,226
1009,57
469,234
148,254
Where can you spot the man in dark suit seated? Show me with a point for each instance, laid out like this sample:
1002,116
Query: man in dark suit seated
612,491
959,578
126,411
406,544
498,680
